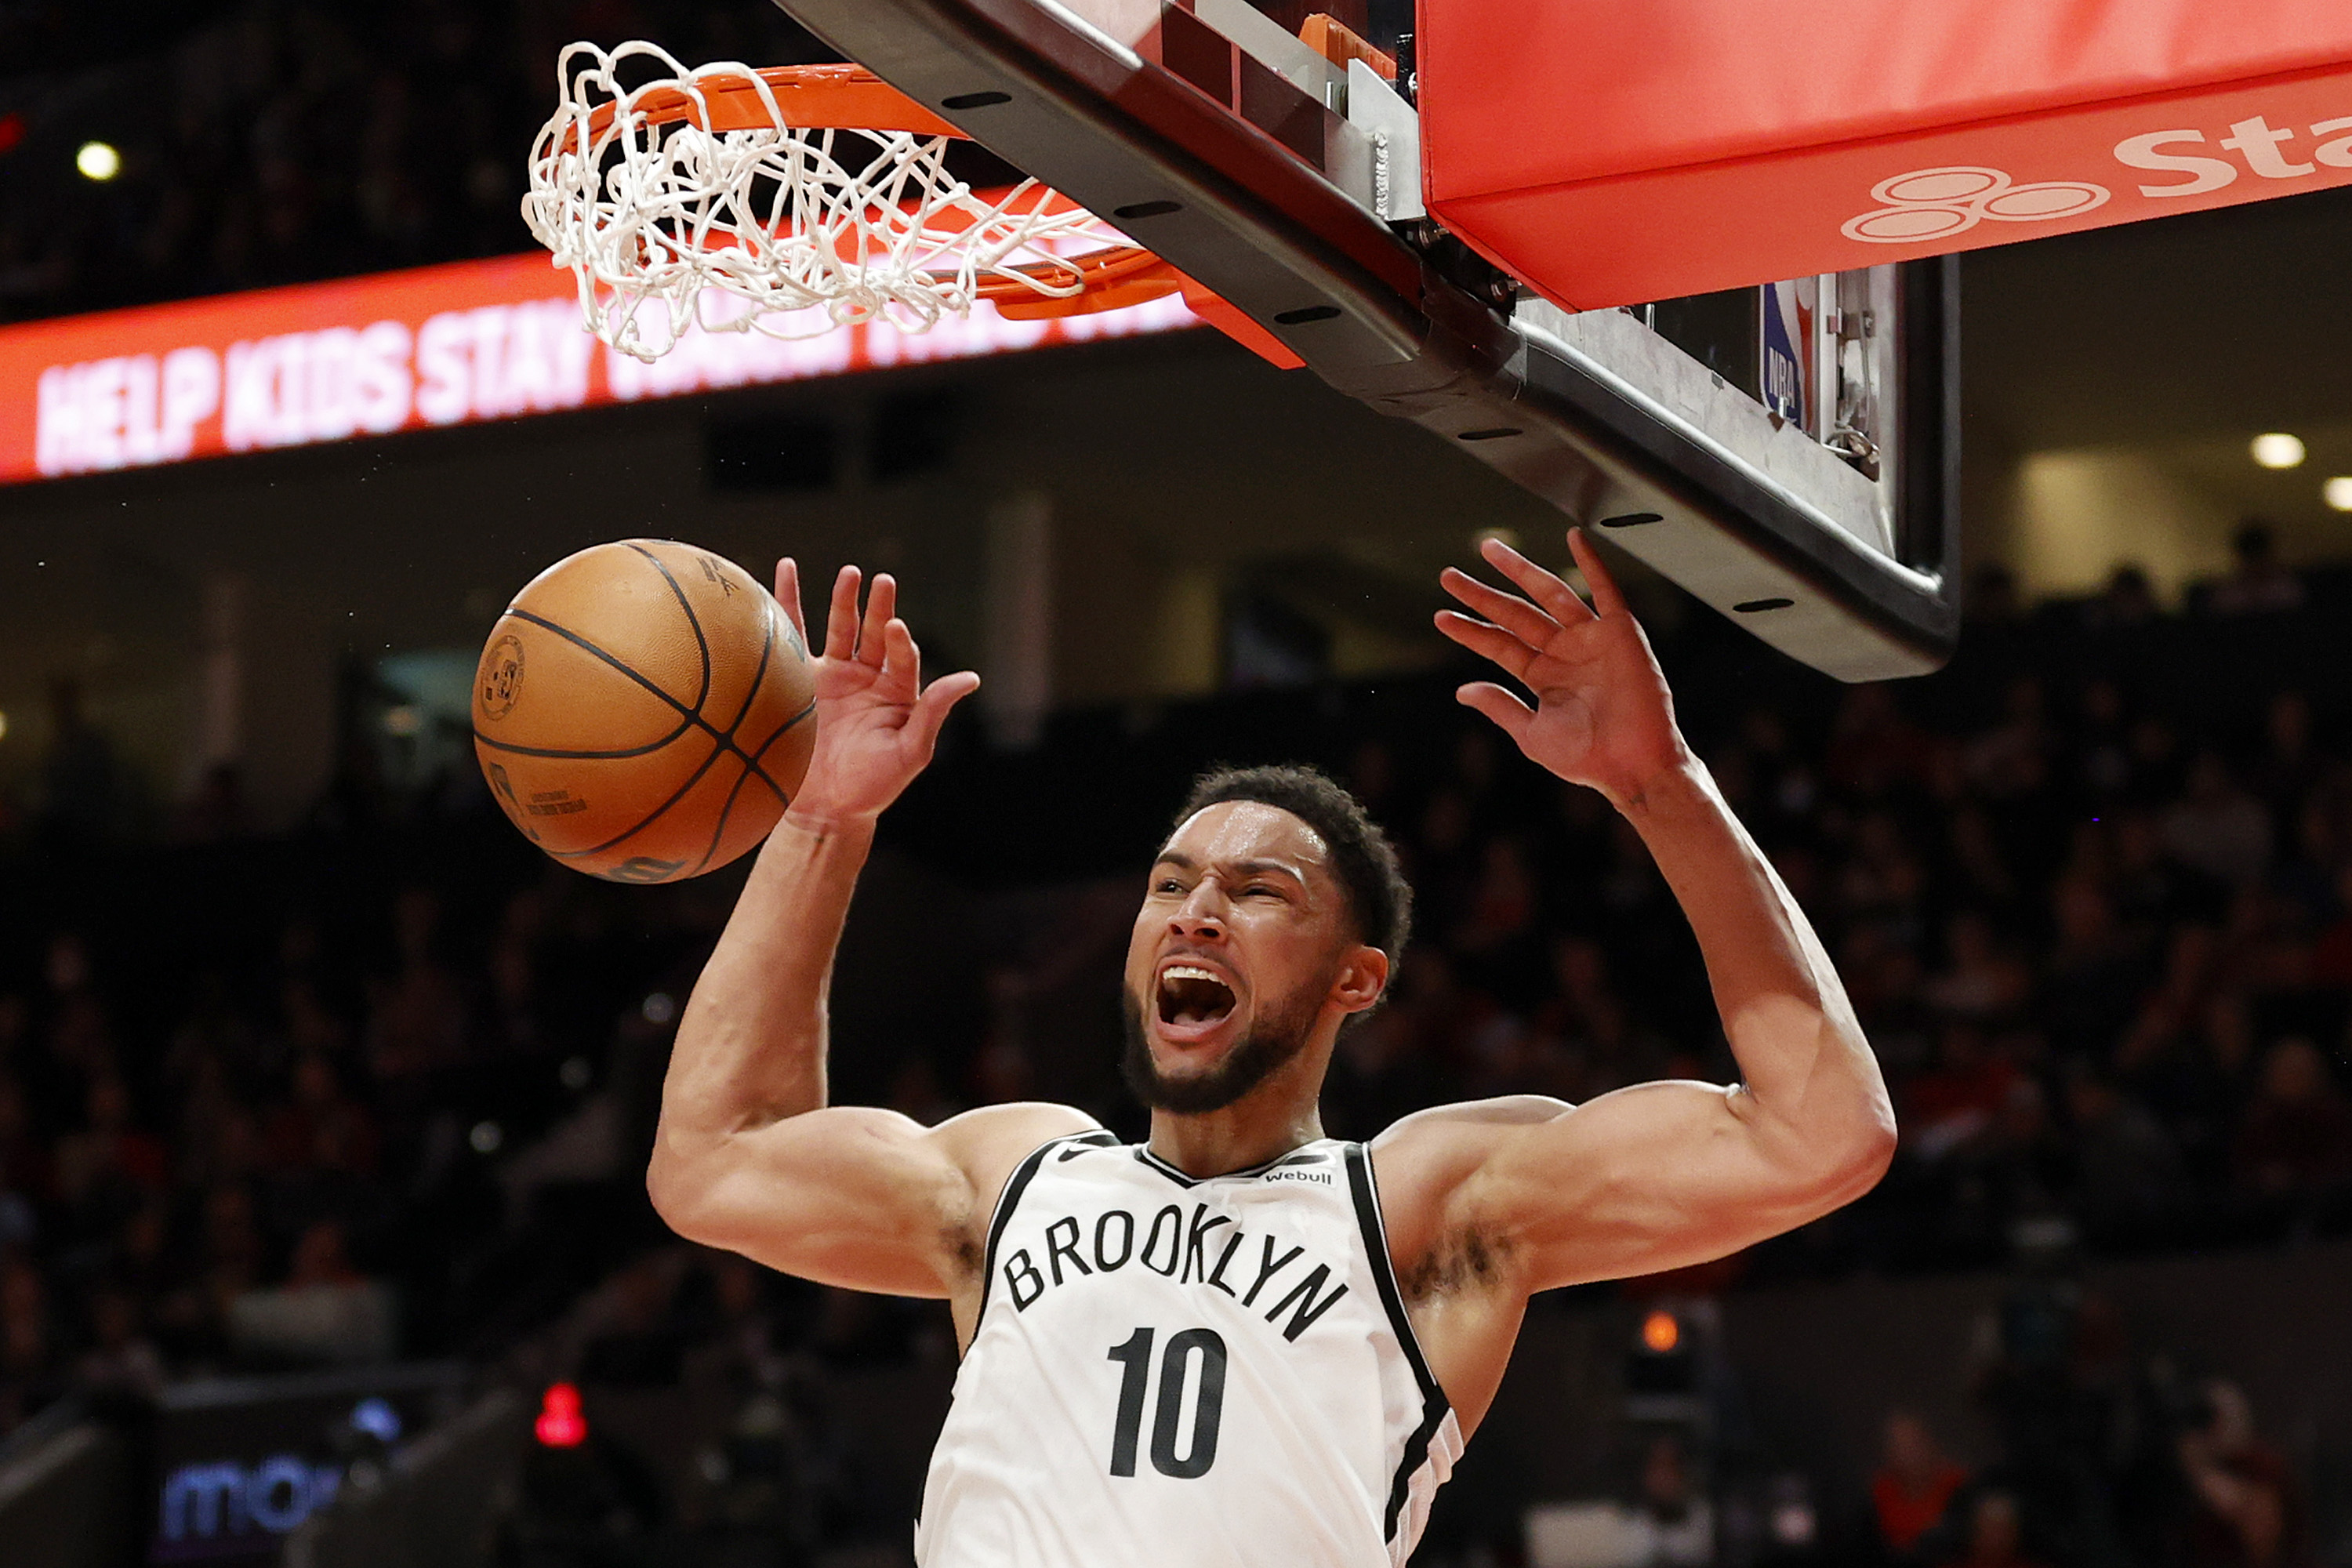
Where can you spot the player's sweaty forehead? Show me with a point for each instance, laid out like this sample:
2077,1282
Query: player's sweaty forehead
1236,837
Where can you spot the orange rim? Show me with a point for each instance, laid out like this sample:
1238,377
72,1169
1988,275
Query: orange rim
851,97
1118,275
819,97
1156,281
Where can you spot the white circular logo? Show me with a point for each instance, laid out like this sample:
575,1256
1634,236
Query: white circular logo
1933,204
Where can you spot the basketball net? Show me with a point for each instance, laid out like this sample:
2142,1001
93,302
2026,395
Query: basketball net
791,202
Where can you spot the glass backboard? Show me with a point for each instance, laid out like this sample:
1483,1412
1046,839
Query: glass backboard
1787,453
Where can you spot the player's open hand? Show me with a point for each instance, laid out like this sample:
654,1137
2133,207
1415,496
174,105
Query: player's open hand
876,722
1602,714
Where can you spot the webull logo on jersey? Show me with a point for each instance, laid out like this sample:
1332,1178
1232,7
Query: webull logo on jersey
1203,1249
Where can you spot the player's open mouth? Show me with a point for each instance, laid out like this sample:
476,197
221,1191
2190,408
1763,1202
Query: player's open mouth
1193,1001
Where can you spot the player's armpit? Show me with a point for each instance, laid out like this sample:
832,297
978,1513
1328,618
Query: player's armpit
1657,1176
854,1196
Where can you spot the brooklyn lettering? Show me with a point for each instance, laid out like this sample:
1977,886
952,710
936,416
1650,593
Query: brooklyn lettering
1204,1249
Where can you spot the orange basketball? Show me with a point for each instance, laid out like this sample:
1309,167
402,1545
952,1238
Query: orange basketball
644,710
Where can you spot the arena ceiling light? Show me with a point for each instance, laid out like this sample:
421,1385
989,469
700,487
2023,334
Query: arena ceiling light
2277,449
2338,492
98,161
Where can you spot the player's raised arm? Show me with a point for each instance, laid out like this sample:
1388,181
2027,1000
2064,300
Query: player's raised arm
748,1156
1663,1175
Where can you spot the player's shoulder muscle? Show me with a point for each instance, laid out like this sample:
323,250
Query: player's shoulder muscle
987,1143
1462,1122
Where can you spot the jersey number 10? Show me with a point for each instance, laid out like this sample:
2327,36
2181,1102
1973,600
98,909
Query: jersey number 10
1208,1404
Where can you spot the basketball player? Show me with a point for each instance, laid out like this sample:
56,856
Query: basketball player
1241,1343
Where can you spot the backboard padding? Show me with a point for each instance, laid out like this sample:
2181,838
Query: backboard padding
1086,109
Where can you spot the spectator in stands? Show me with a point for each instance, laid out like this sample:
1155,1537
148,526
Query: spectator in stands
1982,979
325,1313
1873,746
2218,828
2096,973
2331,951
1955,1100
418,1022
2100,741
2129,1172
231,1261
1602,1042
1499,934
28,1367
2297,1136
642,1343
318,1129
1980,869
86,791
1673,1523
2160,764
2291,766
2260,584
2247,1509
78,1037
2012,760
121,1362
1912,1490
2019,1170
2126,602
108,1167
1996,1536
24,1162
1991,598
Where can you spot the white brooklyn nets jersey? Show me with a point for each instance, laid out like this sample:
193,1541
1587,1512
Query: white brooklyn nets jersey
1178,1372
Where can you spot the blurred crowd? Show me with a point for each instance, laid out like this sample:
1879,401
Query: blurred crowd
270,141
2101,941
261,1109
2123,1473
383,1086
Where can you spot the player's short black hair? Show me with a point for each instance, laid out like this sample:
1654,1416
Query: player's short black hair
1363,859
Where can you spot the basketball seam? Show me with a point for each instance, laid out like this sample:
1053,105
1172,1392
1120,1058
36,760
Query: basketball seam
758,674
581,756
695,777
692,620
751,764
693,716
735,792
758,757
751,760
652,816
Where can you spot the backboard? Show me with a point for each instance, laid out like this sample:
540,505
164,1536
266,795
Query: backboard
1787,453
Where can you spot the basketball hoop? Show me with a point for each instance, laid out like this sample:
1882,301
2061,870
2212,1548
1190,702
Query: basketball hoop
791,202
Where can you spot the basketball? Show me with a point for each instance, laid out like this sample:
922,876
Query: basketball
644,710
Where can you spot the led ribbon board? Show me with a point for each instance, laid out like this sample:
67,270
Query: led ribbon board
439,346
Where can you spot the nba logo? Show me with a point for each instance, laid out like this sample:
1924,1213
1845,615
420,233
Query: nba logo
1788,343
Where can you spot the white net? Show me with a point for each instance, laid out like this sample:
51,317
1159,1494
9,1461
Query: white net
785,230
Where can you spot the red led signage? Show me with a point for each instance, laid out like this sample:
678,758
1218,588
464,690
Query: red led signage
405,350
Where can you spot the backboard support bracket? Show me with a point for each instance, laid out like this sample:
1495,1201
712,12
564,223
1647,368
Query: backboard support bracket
1315,266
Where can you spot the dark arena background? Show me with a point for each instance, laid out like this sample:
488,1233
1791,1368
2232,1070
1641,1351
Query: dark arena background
325,1100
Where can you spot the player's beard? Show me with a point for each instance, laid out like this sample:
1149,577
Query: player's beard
1272,1043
